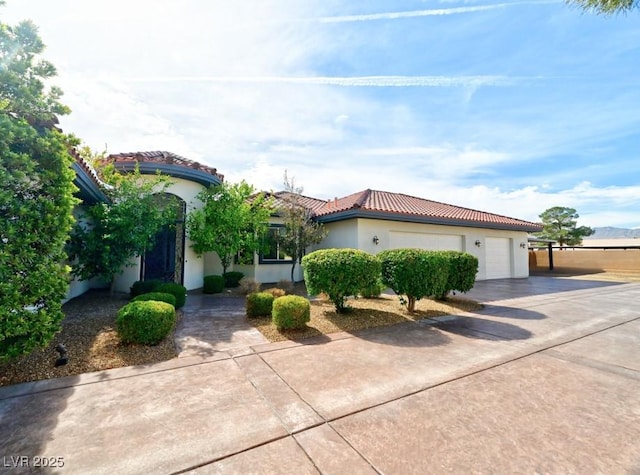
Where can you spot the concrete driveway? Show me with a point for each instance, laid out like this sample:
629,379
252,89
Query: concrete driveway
545,379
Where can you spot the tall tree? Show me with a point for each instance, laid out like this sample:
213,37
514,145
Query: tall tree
561,224
232,219
606,6
112,233
36,195
300,231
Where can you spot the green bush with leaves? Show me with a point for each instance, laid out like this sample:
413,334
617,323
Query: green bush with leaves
414,274
177,290
463,268
340,273
259,304
140,287
213,284
290,312
157,296
373,291
232,279
147,322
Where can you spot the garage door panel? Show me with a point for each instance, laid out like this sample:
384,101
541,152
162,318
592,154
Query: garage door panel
436,242
498,258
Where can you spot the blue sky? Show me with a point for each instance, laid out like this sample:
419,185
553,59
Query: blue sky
508,107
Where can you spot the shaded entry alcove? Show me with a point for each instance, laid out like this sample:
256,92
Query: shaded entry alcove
165,261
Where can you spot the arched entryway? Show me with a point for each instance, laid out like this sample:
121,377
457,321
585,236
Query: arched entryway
165,261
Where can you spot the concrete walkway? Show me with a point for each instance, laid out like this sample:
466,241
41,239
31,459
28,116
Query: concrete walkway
545,379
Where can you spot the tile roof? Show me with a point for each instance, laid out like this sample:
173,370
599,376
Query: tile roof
168,158
387,205
308,202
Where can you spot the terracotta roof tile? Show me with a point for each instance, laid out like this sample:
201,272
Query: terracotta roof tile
405,205
168,158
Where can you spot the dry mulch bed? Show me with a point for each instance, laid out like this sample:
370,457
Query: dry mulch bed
365,313
88,333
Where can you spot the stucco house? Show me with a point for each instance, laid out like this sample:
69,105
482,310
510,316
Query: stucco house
370,220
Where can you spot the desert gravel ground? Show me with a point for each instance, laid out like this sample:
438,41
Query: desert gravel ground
88,333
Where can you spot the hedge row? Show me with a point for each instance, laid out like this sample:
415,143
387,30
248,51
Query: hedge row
411,273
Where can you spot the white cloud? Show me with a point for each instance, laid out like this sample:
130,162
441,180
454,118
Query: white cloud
423,13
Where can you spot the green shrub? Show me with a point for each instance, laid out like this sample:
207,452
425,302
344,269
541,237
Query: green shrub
373,291
276,292
340,273
249,286
140,287
177,290
147,322
213,284
157,296
414,273
463,268
290,311
232,279
259,304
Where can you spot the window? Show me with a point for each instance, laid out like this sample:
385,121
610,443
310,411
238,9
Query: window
271,250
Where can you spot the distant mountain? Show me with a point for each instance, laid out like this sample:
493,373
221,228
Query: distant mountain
614,233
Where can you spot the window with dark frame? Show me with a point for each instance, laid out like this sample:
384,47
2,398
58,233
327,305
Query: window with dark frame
272,253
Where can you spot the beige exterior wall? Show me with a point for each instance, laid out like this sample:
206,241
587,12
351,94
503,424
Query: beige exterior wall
358,233
587,259
194,268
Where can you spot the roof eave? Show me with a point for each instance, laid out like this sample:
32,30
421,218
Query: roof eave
360,213
89,191
176,171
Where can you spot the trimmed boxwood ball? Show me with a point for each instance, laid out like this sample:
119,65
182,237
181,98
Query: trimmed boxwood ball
232,279
140,287
177,290
213,284
146,322
158,296
290,311
259,304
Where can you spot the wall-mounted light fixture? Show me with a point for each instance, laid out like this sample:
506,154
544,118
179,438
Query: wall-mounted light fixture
523,245
376,240
478,243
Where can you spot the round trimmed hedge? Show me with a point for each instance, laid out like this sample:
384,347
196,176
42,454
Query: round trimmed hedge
158,296
177,290
259,304
213,284
340,273
290,311
147,322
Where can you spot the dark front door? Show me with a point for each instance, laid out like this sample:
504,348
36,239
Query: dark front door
160,262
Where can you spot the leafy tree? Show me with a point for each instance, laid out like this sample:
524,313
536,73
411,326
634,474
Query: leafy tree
232,219
299,231
606,6
560,224
125,227
36,195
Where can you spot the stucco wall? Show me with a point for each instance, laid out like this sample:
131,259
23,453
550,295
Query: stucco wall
193,265
588,259
359,233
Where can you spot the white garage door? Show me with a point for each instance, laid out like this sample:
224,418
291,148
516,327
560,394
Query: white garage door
435,242
498,256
